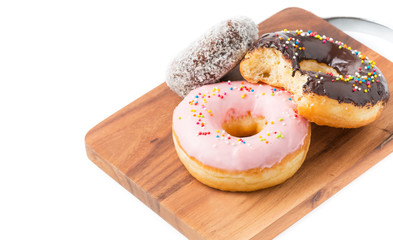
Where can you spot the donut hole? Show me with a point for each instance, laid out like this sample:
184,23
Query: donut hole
314,66
245,126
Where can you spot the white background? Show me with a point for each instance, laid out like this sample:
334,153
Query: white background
67,65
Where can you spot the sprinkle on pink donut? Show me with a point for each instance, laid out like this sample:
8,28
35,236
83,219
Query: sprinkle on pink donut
198,119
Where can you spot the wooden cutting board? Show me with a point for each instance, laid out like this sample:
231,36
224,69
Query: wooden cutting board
134,146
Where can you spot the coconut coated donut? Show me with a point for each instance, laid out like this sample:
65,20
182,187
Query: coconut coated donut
210,57
237,136
332,84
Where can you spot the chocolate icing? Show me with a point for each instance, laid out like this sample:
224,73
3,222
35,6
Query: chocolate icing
356,72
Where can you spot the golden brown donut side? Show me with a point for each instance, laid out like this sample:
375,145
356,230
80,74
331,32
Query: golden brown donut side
244,181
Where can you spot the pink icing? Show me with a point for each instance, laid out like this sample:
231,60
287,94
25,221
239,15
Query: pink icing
197,122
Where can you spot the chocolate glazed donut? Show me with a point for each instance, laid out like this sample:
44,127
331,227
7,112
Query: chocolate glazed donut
333,84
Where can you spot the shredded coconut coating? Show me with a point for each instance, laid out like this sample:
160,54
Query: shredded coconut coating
210,57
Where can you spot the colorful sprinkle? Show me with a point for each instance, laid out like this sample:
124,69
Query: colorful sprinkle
279,135
367,75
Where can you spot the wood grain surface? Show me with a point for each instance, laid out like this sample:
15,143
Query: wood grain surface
134,146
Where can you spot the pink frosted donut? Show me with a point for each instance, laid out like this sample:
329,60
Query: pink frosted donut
239,136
